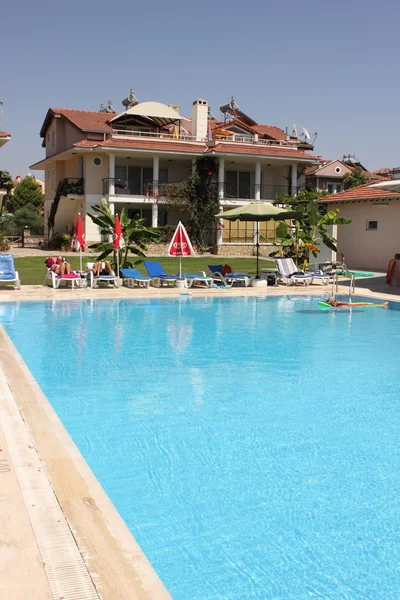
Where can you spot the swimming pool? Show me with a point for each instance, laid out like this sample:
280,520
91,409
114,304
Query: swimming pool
250,444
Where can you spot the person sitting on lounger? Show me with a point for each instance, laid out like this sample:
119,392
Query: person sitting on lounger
98,269
61,267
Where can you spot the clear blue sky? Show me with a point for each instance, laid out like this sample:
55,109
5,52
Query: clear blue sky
320,64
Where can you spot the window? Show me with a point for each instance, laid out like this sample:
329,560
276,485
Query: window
372,225
337,170
52,138
238,184
141,213
97,161
334,188
138,181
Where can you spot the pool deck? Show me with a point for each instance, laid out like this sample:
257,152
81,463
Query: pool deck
61,535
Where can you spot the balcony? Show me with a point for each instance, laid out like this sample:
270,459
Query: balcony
231,191
182,136
72,187
149,189
265,192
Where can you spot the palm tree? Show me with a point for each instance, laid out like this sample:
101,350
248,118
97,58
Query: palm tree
136,235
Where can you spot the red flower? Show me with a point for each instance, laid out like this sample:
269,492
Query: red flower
209,173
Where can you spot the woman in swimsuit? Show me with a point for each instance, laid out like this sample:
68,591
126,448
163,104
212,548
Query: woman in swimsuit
61,267
335,303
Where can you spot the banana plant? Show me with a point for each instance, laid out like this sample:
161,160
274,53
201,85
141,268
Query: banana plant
309,231
135,234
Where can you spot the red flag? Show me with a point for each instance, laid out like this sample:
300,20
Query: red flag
78,239
119,241
180,244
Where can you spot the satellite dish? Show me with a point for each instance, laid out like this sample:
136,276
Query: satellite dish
306,134
296,133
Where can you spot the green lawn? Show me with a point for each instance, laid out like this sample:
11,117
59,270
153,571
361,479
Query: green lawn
32,270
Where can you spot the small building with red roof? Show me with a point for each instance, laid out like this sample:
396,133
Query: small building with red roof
373,236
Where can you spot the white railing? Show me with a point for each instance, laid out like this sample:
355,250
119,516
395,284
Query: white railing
155,134
237,138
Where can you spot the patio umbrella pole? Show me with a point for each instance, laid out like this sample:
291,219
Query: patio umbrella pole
80,258
257,251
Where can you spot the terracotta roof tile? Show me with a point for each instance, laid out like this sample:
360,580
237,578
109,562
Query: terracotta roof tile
4,134
196,148
84,120
361,192
148,144
259,150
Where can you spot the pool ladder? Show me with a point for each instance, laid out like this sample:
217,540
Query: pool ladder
352,285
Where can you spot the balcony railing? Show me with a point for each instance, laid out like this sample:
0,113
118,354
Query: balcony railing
72,186
149,189
236,138
228,191
253,191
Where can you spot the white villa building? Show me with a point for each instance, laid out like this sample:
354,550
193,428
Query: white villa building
126,158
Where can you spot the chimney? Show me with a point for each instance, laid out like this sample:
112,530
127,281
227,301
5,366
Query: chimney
199,119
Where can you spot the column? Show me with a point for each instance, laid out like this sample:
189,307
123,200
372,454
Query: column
112,207
193,166
154,215
111,174
221,178
257,181
294,180
156,174
219,229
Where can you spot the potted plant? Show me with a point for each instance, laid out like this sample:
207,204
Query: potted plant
66,240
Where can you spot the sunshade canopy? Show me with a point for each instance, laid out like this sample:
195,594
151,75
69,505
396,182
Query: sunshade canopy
161,114
258,211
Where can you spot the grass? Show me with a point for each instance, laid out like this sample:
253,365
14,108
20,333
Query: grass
32,269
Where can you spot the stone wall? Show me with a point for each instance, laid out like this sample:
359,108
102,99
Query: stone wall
223,250
243,250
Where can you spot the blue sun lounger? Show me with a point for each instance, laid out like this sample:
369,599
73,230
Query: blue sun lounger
8,274
132,276
156,271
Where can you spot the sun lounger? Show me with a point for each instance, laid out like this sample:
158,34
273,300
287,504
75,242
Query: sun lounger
290,274
133,276
228,279
197,278
94,281
157,273
56,280
8,274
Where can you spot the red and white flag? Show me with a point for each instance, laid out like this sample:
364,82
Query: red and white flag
78,239
180,244
119,241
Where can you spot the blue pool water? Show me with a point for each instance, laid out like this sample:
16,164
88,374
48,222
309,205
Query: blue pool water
250,444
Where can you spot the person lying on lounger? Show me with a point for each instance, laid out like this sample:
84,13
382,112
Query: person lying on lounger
98,269
61,266
335,303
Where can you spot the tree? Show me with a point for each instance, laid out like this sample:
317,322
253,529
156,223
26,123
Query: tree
5,184
28,216
136,235
355,178
27,192
198,196
310,230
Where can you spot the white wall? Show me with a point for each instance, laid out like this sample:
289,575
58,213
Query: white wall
365,249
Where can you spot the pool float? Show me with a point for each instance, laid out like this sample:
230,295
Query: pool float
353,304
